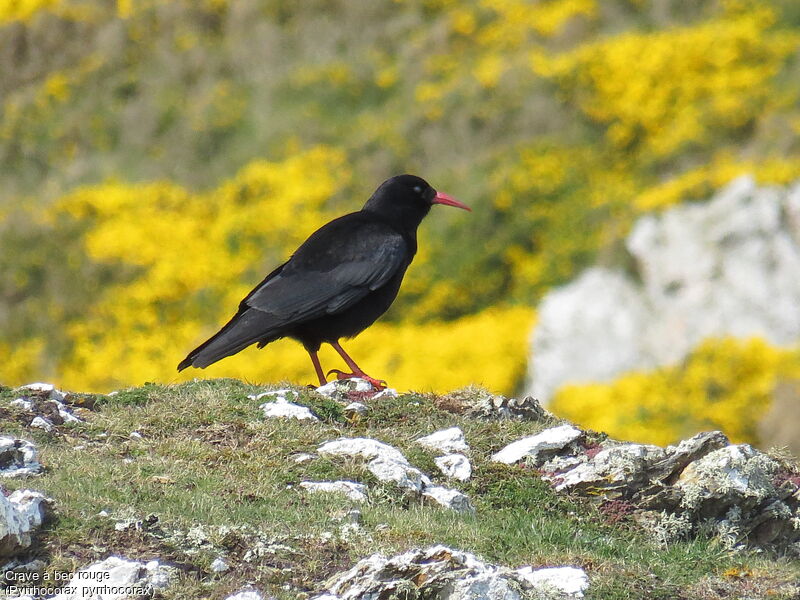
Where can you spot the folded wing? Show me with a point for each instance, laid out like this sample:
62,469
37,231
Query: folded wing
335,268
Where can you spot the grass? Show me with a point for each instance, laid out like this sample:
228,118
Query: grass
210,476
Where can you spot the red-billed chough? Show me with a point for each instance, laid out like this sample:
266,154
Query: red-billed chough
337,283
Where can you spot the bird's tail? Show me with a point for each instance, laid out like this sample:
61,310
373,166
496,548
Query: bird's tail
245,328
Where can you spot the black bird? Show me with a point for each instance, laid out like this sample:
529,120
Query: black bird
337,283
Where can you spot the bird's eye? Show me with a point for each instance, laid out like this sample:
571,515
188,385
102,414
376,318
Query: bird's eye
417,189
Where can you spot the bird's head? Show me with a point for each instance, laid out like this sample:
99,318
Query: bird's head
407,199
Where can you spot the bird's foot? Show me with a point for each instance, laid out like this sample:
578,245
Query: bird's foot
378,384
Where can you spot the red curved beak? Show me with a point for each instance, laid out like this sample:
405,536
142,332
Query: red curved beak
442,198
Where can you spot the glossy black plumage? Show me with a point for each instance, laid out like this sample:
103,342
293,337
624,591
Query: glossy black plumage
337,283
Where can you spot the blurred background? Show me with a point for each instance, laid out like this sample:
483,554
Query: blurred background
158,157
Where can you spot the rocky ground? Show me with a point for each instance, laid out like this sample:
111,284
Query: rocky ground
220,489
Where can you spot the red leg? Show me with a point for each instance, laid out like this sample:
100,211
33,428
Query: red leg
357,372
317,367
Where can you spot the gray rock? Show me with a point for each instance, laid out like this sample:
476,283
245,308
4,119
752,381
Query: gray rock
736,491
739,473
483,405
21,514
743,496
218,565
435,573
246,594
622,467
446,440
18,458
42,423
356,409
46,403
540,446
357,492
455,466
449,498
116,572
728,267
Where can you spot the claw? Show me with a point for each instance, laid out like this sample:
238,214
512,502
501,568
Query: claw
378,384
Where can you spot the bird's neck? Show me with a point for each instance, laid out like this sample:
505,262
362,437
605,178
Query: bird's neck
407,229
402,219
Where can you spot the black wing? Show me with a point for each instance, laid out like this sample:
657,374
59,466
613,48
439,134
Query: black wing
335,268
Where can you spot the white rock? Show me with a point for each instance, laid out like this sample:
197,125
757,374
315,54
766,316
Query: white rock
22,403
21,514
356,492
284,394
52,395
339,389
535,446
727,267
388,464
446,440
49,388
158,576
449,498
302,457
437,572
399,472
103,580
354,384
567,337
484,586
18,458
218,565
280,408
456,466
42,423
66,414
365,448
246,594
571,581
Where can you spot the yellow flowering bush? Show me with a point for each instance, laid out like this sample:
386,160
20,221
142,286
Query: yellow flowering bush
701,183
724,384
186,259
20,10
663,91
